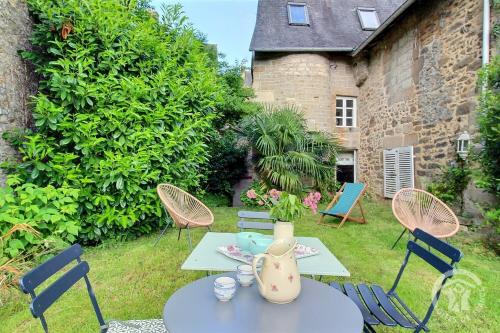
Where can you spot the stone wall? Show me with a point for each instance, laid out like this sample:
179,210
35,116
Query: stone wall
417,86
17,81
310,82
301,79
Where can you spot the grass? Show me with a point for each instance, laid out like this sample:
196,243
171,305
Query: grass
133,280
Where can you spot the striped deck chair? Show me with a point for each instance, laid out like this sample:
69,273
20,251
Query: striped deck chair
343,203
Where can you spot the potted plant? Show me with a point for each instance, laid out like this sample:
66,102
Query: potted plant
287,209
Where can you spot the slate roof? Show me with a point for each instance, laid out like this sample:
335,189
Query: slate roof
334,25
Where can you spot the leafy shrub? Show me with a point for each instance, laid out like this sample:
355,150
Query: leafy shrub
493,237
236,102
227,163
125,102
451,183
46,211
14,262
287,153
489,128
489,135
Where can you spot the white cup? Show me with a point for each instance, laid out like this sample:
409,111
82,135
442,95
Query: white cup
244,274
224,288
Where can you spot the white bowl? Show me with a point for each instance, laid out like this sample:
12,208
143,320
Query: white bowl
224,288
244,275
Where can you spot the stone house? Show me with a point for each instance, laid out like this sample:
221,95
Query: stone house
395,80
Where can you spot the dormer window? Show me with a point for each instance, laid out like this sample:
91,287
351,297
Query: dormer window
297,14
368,18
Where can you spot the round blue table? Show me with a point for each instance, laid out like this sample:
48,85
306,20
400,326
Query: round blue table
319,308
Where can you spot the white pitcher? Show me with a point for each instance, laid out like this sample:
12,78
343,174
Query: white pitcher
279,280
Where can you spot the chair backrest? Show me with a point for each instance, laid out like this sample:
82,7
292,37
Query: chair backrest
183,207
34,278
445,266
416,208
350,194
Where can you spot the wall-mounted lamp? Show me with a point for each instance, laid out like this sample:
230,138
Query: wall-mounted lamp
463,142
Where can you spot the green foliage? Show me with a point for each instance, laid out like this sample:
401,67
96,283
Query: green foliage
287,153
451,183
215,200
288,208
493,237
126,101
43,212
236,102
488,177
227,164
489,127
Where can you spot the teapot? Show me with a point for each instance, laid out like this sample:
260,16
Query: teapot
279,279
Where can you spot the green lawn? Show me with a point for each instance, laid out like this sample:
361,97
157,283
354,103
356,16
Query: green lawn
133,280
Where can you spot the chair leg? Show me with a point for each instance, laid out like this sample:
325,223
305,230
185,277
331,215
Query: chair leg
394,245
362,212
368,329
179,235
161,234
189,237
169,222
342,222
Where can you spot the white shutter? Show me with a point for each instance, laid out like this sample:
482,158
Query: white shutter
390,172
405,171
398,170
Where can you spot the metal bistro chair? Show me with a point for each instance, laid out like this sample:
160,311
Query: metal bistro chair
255,220
387,308
416,208
185,210
41,302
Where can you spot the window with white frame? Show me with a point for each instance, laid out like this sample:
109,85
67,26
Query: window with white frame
345,112
369,18
297,13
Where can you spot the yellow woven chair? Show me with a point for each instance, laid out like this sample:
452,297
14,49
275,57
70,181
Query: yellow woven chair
186,211
416,208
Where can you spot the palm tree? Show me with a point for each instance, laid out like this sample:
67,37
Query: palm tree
287,153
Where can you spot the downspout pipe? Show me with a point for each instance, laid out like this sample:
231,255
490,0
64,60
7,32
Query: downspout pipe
486,32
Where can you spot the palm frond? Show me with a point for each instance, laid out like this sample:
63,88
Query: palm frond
288,152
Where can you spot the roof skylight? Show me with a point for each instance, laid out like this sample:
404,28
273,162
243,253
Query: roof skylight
368,18
297,13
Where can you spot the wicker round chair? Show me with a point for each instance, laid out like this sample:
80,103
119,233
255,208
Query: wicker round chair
186,211
416,208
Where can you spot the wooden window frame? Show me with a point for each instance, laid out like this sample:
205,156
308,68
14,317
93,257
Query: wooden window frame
343,109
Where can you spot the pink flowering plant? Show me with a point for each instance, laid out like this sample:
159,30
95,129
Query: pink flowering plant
258,196
284,205
312,200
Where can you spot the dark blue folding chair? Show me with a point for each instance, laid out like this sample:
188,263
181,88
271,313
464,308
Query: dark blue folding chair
41,302
387,308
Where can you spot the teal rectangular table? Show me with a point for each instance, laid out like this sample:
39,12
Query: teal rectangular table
205,257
